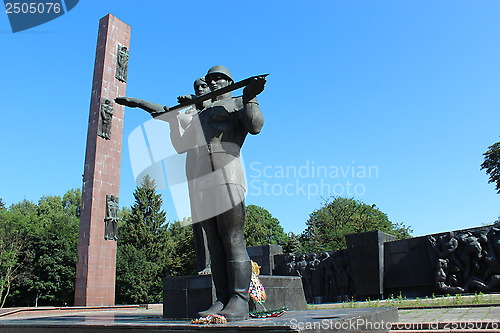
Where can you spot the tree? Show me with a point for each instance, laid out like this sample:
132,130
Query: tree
181,256
262,228
13,253
51,227
327,226
24,216
53,238
56,248
492,164
294,246
142,248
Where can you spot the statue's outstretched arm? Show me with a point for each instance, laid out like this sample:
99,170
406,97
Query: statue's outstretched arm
131,102
181,140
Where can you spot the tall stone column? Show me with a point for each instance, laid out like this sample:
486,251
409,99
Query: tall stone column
96,266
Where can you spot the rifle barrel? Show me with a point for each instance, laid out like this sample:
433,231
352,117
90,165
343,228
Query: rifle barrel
213,94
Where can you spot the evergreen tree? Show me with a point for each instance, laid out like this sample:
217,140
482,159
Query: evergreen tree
142,248
181,256
294,246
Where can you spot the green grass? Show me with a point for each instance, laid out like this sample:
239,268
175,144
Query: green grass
403,302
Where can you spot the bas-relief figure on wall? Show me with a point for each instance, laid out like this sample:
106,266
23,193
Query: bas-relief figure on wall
325,276
111,218
122,63
467,261
463,261
105,118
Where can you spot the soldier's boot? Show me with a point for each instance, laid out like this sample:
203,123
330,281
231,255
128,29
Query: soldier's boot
239,275
219,276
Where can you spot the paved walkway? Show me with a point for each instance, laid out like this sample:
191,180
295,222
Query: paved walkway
450,314
478,319
429,320
405,315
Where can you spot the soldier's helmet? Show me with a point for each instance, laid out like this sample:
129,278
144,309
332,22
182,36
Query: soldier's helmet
199,81
219,69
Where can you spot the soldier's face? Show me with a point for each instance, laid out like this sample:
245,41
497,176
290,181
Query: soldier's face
217,81
201,89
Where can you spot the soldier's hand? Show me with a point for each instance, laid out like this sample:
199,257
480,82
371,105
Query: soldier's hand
185,98
156,114
127,101
255,87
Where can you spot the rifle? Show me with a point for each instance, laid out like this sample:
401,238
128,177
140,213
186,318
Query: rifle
210,95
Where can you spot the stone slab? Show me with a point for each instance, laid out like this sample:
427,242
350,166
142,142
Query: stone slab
366,253
282,291
264,256
311,321
409,268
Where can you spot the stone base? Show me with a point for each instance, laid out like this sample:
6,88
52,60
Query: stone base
311,321
185,296
282,291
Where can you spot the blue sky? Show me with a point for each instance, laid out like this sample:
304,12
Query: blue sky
407,91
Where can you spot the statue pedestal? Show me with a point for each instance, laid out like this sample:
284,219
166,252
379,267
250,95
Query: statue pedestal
185,296
120,320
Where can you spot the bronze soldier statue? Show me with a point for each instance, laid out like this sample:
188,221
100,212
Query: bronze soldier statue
217,133
199,235
225,124
184,119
